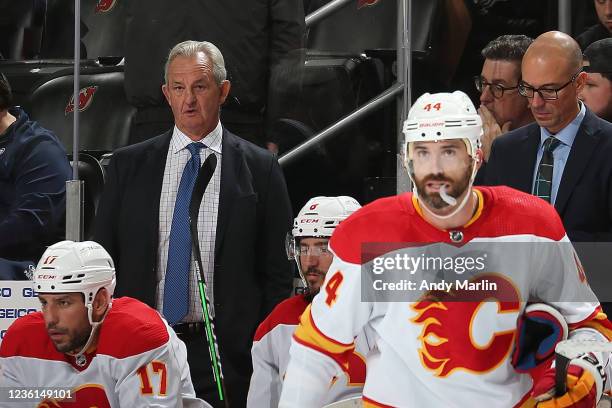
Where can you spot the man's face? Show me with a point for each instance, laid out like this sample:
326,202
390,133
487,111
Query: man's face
193,95
315,260
604,13
66,320
511,107
540,71
597,95
436,164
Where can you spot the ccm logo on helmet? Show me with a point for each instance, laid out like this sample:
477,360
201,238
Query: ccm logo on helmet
309,221
45,277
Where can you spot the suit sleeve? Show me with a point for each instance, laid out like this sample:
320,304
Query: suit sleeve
40,195
605,218
277,221
106,217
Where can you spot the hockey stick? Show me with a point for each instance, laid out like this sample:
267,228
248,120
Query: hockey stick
204,175
566,350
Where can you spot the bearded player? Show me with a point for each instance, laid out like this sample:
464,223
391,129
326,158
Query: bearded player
435,351
307,245
107,352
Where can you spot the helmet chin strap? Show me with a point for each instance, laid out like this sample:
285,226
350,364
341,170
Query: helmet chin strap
80,358
451,201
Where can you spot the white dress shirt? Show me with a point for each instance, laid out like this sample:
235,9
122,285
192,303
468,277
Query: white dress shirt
177,158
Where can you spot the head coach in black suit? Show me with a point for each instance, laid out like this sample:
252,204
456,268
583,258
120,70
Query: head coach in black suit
244,216
567,138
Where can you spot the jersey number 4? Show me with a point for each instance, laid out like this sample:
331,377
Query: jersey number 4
158,368
332,288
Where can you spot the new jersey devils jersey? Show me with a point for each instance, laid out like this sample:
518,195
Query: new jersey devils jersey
440,349
270,355
138,362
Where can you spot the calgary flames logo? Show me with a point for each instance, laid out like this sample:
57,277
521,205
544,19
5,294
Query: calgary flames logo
105,6
447,337
85,99
85,396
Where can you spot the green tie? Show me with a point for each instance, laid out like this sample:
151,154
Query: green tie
543,184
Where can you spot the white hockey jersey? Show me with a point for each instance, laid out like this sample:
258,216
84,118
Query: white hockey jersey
270,354
138,362
435,351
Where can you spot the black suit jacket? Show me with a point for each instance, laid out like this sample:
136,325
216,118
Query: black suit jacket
252,273
584,198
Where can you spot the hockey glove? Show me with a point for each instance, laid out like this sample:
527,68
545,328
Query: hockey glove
585,379
539,329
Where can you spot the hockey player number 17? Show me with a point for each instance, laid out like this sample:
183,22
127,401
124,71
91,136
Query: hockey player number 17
157,367
332,288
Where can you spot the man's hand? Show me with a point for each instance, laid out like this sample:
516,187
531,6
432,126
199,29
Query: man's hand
584,386
491,130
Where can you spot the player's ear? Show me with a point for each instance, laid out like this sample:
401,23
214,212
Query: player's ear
100,304
479,158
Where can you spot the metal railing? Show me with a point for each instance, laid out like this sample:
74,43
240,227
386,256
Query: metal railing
74,187
399,91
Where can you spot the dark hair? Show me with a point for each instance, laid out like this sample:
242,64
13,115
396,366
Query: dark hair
6,96
607,75
507,48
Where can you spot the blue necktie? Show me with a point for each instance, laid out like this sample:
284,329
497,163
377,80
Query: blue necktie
176,287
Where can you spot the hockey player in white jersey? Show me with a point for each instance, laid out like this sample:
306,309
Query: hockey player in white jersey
436,351
95,351
307,245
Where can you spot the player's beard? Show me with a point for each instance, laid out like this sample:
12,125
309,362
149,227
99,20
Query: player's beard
320,278
77,339
456,188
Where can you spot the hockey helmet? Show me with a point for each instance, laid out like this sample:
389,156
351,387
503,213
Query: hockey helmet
75,267
443,116
318,218
321,215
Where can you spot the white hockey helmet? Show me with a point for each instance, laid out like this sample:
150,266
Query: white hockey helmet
75,267
318,219
443,116
321,215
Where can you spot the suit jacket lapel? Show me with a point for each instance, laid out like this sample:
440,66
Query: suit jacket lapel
584,145
527,153
231,166
154,166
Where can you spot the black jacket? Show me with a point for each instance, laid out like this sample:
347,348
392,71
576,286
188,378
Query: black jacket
584,199
592,34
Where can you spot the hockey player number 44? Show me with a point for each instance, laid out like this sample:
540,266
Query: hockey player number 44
158,368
